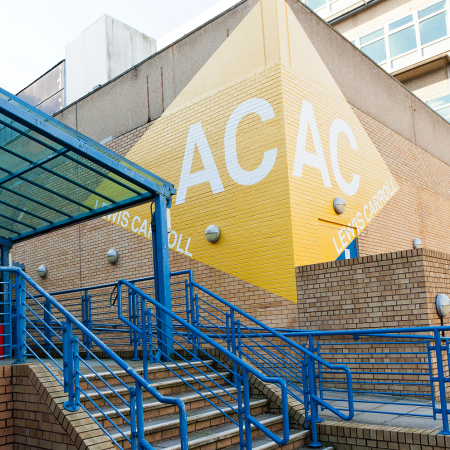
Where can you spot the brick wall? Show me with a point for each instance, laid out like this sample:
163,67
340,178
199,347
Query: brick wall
76,257
377,291
6,409
123,143
35,426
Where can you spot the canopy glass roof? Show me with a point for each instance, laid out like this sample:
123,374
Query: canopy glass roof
52,176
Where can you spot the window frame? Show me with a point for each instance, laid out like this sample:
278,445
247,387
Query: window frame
388,62
435,97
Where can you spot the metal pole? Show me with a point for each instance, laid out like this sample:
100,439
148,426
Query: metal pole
68,360
20,320
441,380
313,392
162,275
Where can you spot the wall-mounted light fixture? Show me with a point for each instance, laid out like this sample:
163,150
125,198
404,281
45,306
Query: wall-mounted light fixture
212,233
442,305
112,256
42,271
339,205
417,243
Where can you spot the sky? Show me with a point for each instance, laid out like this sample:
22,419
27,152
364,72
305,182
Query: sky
33,33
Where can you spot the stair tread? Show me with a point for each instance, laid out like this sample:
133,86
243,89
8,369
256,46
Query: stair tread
195,415
118,371
214,433
265,443
163,382
153,403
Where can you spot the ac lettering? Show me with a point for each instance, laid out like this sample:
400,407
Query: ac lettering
197,140
317,160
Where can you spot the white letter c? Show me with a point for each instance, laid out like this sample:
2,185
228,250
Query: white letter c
339,126
237,173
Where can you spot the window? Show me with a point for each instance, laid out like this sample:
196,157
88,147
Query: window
441,105
315,4
402,41
373,45
410,38
433,23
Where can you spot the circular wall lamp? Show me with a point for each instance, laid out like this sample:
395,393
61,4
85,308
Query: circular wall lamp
442,305
112,256
212,233
417,243
339,205
42,271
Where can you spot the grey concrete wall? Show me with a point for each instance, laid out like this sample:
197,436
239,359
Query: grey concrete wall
142,93
370,89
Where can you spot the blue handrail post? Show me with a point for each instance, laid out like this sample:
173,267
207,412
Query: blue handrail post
231,325
133,413
144,337
48,327
21,299
430,371
76,372
162,274
140,417
313,393
68,362
248,429
441,380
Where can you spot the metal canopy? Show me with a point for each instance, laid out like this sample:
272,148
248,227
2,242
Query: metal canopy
52,176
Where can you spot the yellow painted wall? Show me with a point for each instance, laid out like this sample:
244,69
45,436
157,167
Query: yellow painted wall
284,219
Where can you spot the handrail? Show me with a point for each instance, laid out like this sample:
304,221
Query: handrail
223,350
100,286
138,379
297,346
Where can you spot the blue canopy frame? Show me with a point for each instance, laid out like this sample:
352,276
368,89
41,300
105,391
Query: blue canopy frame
52,176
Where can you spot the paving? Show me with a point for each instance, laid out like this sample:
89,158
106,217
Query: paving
393,411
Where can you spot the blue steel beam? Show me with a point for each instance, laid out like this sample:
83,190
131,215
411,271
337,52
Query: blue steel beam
109,209
161,267
82,164
40,165
50,191
17,221
35,201
5,243
25,211
9,229
71,131
80,145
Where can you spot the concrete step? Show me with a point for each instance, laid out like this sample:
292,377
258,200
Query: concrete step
222,436
166,386
168,426
299,437
155,372
192,400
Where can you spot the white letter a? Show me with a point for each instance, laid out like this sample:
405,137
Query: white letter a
302,156
208,174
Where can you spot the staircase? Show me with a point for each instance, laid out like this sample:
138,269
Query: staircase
208,428
194,383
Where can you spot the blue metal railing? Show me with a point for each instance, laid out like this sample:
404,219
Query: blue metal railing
403,369
238,410
32,328
267,349
209,317
96,308
6,320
